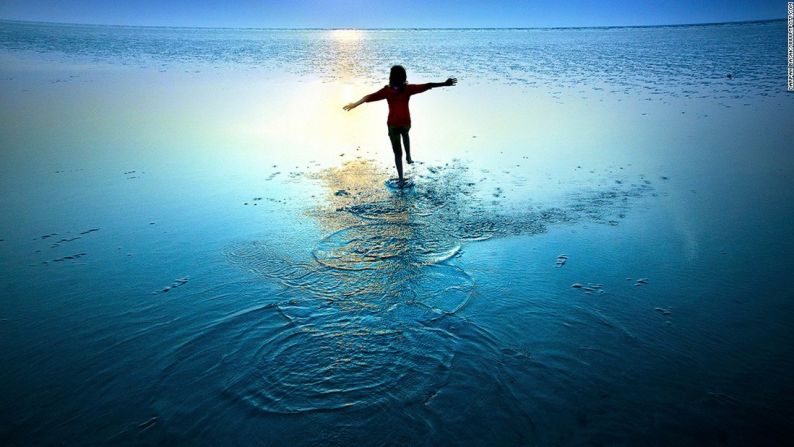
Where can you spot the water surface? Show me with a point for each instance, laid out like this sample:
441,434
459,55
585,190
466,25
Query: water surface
200,247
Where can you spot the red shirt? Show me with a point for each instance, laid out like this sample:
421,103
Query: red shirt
399,115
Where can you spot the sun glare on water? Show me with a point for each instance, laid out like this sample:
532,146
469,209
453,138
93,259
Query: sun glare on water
346,34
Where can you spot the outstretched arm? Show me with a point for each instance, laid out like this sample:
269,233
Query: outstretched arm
368,98
419,88
448,83
350,106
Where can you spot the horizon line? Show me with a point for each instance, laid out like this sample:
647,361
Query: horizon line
737,22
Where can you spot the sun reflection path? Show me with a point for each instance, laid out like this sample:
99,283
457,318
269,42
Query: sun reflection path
345,54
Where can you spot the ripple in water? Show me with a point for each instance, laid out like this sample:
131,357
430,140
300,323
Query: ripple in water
330,358
354,367
367,317
371,246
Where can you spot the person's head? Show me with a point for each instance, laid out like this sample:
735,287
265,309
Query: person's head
397,77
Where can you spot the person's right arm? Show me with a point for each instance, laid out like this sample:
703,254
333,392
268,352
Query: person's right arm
377,96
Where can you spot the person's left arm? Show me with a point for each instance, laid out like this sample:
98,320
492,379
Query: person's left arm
419,88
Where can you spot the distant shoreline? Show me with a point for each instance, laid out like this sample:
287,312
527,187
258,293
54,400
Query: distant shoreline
606,27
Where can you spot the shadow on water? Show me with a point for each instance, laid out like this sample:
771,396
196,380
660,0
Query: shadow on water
365,335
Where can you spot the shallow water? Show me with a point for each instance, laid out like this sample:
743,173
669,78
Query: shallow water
200,247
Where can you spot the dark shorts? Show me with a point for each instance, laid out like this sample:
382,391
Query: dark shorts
398,130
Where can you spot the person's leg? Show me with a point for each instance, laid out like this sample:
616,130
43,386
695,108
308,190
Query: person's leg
407,144
394,137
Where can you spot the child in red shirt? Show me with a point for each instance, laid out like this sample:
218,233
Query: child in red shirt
397,94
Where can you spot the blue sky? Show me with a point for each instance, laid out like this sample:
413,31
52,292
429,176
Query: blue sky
389,14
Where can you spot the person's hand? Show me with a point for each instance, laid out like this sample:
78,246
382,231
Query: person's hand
450,82
350,106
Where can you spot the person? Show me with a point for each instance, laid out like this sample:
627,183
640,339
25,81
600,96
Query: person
397,94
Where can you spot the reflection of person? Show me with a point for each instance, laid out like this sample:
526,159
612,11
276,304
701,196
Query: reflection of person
397,94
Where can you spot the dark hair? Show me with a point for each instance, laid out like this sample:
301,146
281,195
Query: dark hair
398,77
